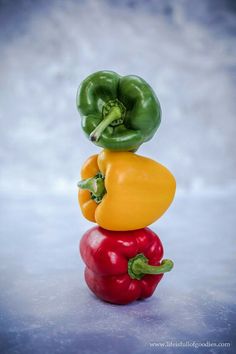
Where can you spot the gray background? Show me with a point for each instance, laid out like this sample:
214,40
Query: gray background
186,51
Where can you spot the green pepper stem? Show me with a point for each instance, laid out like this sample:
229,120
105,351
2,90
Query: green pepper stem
95,185
114,114
138,267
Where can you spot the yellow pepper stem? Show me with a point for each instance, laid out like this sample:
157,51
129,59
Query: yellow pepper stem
95,185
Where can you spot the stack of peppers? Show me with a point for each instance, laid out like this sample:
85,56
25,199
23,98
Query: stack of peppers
121,191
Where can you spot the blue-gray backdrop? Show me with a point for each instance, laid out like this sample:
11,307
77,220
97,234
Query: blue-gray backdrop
186,50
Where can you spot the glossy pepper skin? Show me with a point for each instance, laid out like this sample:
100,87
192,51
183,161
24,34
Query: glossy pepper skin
122,267
124,191
118,113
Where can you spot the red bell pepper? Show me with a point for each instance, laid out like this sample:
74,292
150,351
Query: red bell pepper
123,266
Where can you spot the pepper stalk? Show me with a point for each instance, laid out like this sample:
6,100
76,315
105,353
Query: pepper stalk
113,114
138,266
95,185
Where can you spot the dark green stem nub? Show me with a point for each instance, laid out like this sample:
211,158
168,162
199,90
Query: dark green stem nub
95,185
114,114
138,267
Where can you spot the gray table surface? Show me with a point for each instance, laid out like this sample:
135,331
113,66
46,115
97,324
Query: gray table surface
47,308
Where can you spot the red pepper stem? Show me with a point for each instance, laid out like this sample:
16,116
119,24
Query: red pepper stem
114,114
138,267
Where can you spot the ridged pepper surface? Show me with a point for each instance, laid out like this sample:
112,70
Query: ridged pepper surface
118,113
122,267
124,191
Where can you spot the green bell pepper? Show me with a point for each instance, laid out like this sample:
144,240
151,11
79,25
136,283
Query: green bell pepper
118,113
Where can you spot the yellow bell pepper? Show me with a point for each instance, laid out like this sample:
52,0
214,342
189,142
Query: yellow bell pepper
124,191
